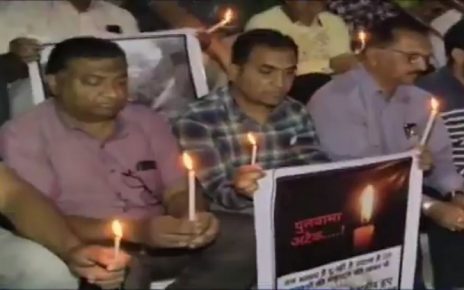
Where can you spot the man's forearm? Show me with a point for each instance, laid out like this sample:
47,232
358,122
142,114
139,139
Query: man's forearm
97,230
175,15
34,216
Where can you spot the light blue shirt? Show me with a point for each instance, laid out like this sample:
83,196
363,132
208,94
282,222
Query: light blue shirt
354,119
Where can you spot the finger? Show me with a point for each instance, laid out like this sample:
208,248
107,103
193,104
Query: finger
212,232
202,223
111,282
459,223
120,263
99,274
251,189
247,184
175,241
250,169
184,227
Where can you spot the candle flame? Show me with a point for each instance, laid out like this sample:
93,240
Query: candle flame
362,36
117,228
435,104
367,203
251,139
188,162
228,15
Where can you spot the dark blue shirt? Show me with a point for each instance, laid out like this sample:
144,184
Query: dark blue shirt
450,92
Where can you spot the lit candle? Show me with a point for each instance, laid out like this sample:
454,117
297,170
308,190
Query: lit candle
428,128
254,147
228,15
362,36
118,233
363,236
191,185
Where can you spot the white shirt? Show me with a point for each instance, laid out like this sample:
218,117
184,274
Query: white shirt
54,21
442,24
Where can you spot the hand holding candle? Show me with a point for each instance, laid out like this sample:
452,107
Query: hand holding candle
188,163
428,128
228,15
118,233
363,236
254,147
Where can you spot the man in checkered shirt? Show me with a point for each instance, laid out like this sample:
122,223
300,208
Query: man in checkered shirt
214,130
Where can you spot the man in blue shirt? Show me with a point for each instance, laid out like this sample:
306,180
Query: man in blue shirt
447,84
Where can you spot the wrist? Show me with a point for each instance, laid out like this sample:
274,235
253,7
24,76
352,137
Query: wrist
428,204
69,247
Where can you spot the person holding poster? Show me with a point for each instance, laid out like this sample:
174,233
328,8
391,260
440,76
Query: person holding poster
215,129
375,109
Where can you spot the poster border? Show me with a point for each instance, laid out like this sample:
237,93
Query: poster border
262,208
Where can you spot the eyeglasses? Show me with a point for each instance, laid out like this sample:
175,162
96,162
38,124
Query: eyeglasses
413,57
147,195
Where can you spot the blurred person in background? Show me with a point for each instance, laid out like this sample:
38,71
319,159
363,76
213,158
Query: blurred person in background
25,24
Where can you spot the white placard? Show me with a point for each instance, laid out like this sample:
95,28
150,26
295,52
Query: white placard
342,225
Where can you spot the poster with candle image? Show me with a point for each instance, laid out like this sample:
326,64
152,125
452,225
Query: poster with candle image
342,225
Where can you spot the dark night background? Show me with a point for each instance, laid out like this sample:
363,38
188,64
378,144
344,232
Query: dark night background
338,191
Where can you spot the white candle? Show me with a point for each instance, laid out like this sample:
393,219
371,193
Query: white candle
191,186
225,20
428,128
118,233
254,147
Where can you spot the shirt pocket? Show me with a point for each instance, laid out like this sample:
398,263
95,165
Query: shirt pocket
149,184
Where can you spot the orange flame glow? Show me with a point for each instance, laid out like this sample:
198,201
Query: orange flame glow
367,203
228,16
188,162
251,139
435,104
117,229
362,35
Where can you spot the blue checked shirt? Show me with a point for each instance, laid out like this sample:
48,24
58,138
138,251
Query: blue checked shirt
214,132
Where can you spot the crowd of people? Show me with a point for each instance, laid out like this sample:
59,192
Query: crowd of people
87,155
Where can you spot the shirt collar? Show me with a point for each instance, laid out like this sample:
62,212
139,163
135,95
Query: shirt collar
316,22
70,124
236,114
370,86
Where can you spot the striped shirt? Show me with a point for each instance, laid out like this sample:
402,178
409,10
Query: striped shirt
450,92
214,130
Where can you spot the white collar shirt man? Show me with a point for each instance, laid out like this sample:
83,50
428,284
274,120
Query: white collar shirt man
53,21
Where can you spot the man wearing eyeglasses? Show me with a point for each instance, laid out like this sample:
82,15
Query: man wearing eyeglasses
99,158
375,109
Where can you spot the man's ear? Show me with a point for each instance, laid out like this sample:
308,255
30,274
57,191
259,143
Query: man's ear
233,71
457,55
52,84
371,55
